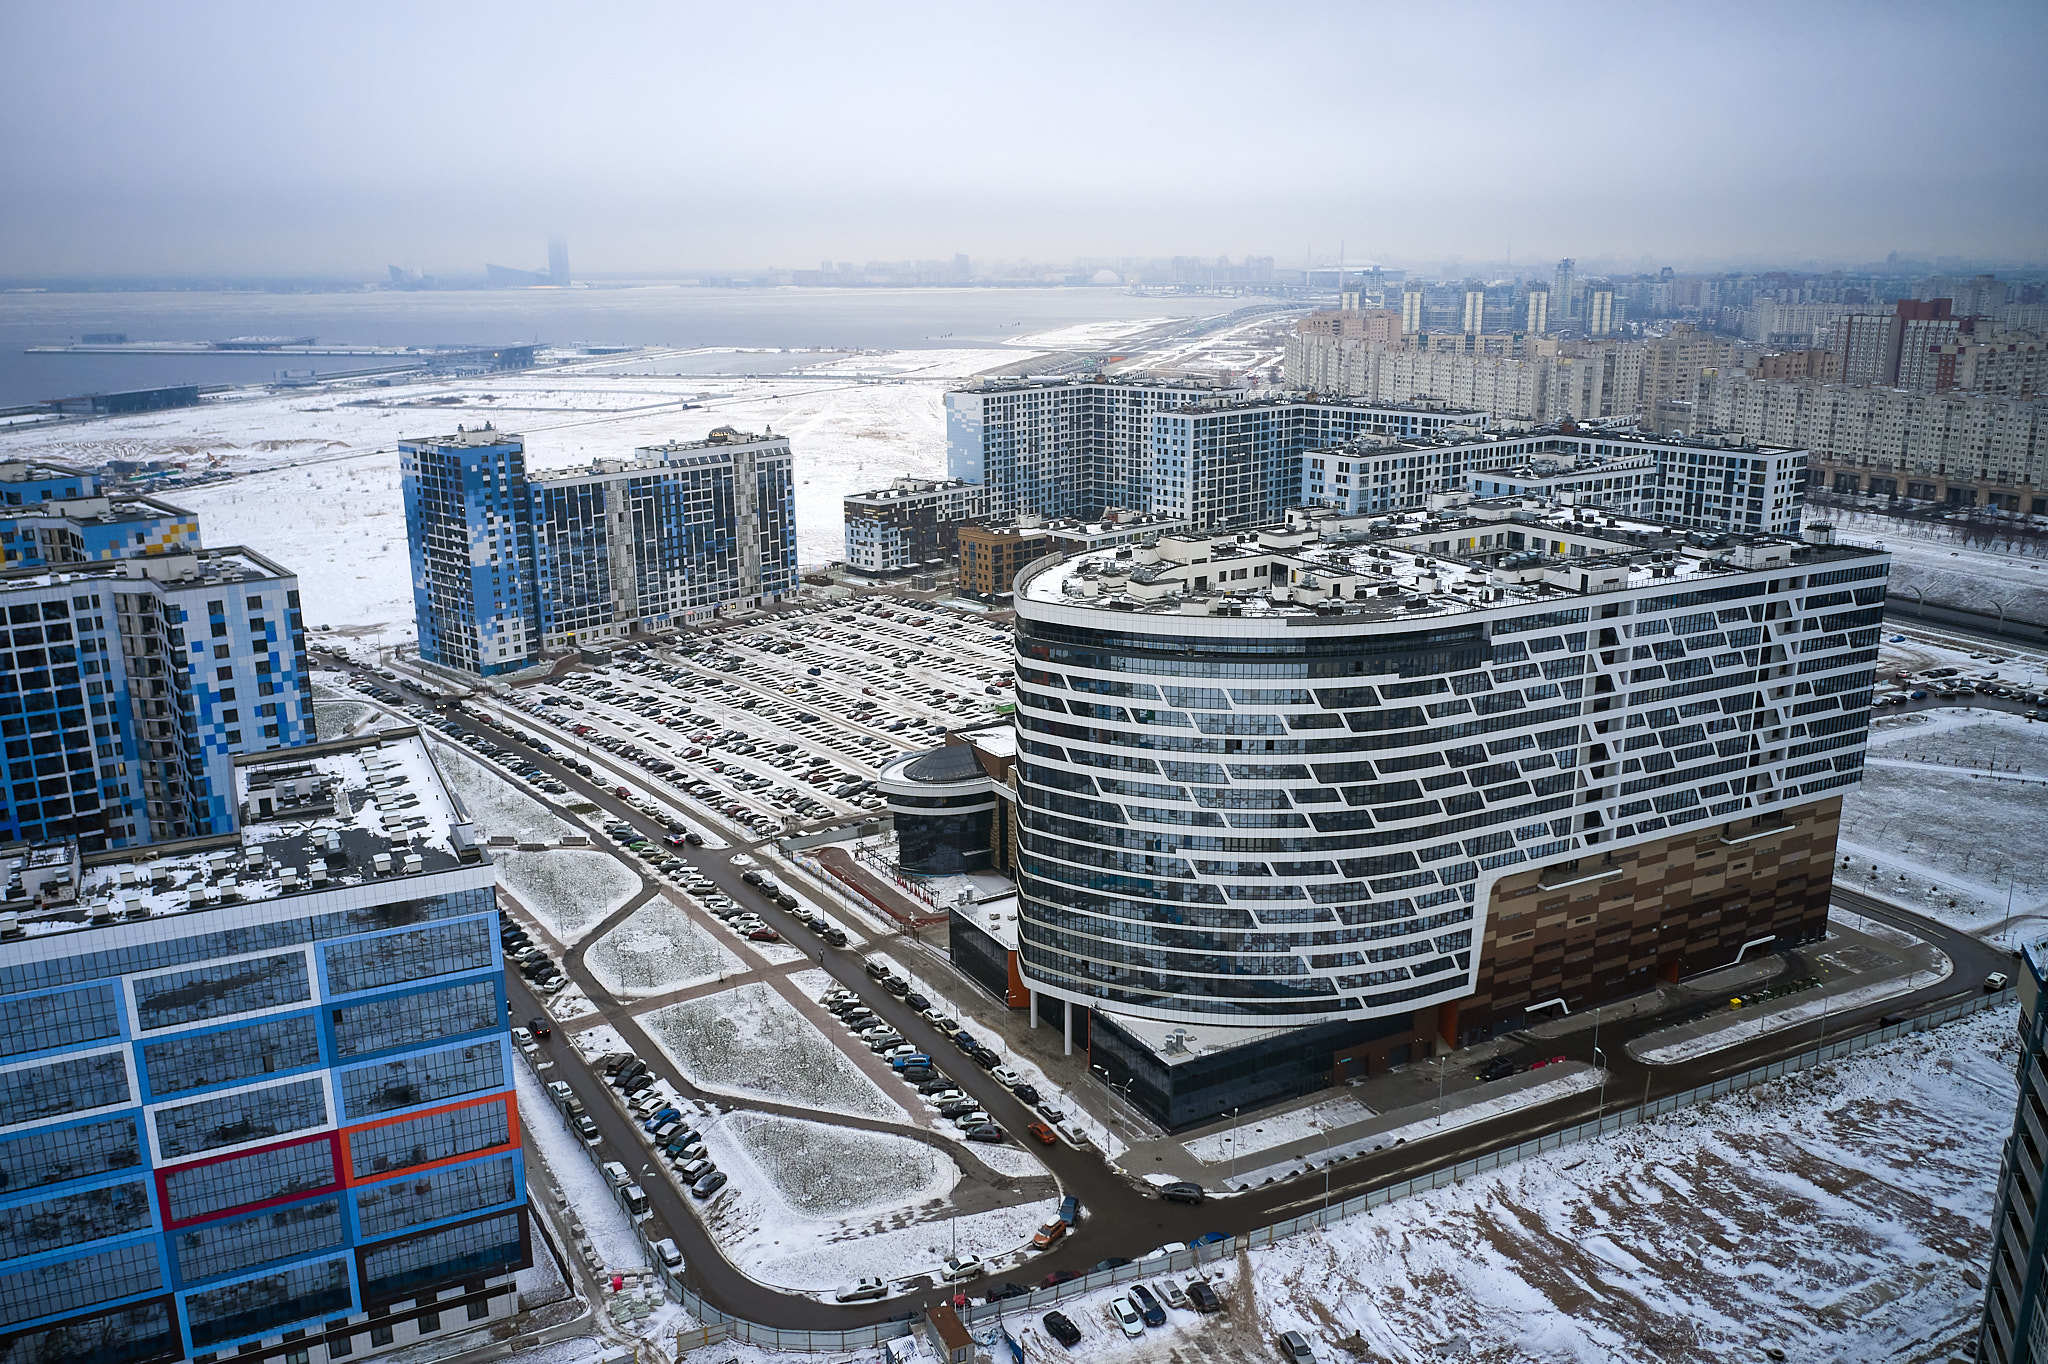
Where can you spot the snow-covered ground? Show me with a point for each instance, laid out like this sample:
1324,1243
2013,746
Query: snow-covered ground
497,806
1951,819
1934,561
1577,1079
1839,1215
568,892
1269,1130
656,949
1683,1043
335,449
751,1042
577,1176
814,1208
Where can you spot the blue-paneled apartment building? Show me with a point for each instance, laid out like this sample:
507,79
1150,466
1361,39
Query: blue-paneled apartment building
508,565
137,665
256,1095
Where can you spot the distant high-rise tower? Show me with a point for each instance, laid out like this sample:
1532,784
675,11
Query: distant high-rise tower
1538,320
558,262
1600,311
1561,291
1411,309
1475,309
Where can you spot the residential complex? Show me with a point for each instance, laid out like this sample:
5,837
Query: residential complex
2015,1326
913,523
1070,447
50,514
508,565
1294,802
258,1098
1710,484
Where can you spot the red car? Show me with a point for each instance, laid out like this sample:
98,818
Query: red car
1551,1061
1043,1133
765,935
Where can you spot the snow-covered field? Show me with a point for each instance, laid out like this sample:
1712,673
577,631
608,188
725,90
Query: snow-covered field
335,450
815,1208
751,1042
497,806
1839,1216
658,948
1931,561
1951,818
569,892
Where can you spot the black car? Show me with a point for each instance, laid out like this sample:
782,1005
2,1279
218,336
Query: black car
835,935
915,1075
917,1001
986,1058
1113,1262
1027,1093
1148,1306
539,1026
1499,1068
933,1083
957,1107
1059,1328
1203,1297
1008,1288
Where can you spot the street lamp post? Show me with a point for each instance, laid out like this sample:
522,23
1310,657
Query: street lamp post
1233,1145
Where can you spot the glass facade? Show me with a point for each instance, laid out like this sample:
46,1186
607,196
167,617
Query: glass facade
264,1122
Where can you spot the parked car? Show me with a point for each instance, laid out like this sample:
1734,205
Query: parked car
1499,1068
1203,1297
987,1132
709,1184
1147,1305
1996,981
1294,1348
1062,1330
1182,1191
956,1269
1128,1317
1049,1233
1043,1133
670,1255
865,1290
1070,1210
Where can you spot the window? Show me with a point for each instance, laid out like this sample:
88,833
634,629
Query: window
479,1309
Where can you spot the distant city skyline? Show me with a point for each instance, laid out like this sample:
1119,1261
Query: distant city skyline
220,137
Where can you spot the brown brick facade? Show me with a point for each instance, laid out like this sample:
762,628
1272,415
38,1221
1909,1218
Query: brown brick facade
1604,926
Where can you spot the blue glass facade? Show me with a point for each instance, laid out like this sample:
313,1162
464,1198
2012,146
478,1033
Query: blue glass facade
468,524
230,1124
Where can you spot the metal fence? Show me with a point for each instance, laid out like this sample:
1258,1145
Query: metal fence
720,1326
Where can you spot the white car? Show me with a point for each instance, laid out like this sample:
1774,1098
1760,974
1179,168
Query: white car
956,1269
1127,1317
866,1290
1007,1078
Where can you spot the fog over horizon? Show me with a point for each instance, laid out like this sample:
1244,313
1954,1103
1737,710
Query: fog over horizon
226,137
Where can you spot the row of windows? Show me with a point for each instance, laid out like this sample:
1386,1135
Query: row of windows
395,958
384,1024
178,1065
55,1155
235,1244
71,1219
195,1191
68,1084
181,997
447,1192
240,1116
432,1136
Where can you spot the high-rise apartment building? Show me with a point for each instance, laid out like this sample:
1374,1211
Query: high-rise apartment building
1293,803
1069,447
1473,319
1563,291
134,683
910,523
2014,1329
1536,321
1600,310
259,1100
507,564
1412,296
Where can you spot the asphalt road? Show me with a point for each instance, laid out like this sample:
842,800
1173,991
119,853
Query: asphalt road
1121,1220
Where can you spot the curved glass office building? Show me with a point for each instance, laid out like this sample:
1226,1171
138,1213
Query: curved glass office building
1311,773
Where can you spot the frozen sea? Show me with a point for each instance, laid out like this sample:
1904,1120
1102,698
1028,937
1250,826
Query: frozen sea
646,314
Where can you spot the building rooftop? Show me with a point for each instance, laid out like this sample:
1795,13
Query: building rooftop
313,818
906,488
229,564
1178,1043
472,437
1468,555
656,457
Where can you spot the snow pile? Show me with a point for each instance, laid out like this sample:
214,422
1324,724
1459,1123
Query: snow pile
1269,1130
658,948
751,1042
569,892
578,1178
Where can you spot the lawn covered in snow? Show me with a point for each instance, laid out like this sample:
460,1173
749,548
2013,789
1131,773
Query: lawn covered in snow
750,1041
656,949
814,1208
495,804
569,892
1953,806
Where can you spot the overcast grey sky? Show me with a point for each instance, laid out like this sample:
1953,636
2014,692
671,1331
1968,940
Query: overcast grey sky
213,136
